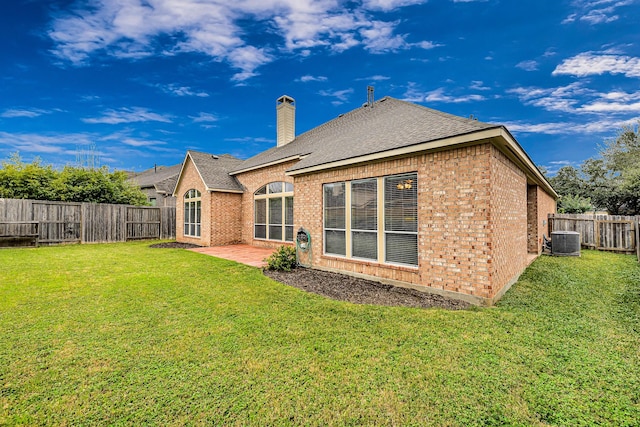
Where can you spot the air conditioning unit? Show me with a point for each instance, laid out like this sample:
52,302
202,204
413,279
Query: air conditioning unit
565,243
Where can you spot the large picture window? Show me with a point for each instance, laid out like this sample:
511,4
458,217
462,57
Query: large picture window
273,212
192,213
381,222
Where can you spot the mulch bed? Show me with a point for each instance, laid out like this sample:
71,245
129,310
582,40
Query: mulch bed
360,291
352,289
174,245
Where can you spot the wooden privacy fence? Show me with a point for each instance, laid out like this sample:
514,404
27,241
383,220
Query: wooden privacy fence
60,222
602,232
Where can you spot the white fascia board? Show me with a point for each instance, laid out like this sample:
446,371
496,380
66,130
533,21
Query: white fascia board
528,163
184,163
488,135
222,190
264,165
403,151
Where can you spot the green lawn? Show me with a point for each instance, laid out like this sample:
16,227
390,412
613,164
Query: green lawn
123,334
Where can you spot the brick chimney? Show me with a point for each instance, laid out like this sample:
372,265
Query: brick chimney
286,120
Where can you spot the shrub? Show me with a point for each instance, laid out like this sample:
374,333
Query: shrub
572,204
284,259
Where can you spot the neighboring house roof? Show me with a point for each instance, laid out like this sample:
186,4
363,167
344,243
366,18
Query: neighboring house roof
167,185
150,177
389,127
214,171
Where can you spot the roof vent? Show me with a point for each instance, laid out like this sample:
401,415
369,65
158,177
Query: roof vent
370,96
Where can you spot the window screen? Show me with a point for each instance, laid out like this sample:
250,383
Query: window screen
334,218
401,219
364,219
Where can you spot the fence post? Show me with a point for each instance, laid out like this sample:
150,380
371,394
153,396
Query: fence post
638,237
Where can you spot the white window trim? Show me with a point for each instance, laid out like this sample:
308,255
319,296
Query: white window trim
381,230
197,201
347,217
378,216
269,195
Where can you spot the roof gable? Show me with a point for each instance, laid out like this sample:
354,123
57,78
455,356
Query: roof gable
214,171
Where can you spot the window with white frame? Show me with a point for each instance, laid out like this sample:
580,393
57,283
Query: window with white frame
381,223
192,213
334,219
364,219
401,219
273,212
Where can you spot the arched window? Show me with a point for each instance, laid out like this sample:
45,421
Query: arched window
192,213
273,212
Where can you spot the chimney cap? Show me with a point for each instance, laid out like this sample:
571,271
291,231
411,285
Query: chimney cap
285,99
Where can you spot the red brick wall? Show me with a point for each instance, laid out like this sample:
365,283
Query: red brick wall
226,218
532,219
472,217
545,206
453,219
191,179
253,180
508,222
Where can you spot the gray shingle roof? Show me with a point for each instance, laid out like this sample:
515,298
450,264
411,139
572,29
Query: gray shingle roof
167,185
215,170
388,125
150,177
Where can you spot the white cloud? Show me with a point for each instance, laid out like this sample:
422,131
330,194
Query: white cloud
251,139
128,115
426,45
414,94
341,96
205,118
596,11
528,65
134,142
131,29
478,85
614,102
387,5
578,99
564,98
375,78
438,95
591,63
53,143
177,90
605,125
23,112
309,78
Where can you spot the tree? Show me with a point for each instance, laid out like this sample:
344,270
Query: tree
614,180
572,204
19,180
568,181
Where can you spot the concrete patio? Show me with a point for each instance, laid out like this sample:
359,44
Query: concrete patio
244,254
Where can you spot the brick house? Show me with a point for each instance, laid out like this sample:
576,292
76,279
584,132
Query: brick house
392,191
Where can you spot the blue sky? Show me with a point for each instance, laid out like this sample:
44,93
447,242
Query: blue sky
138,82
